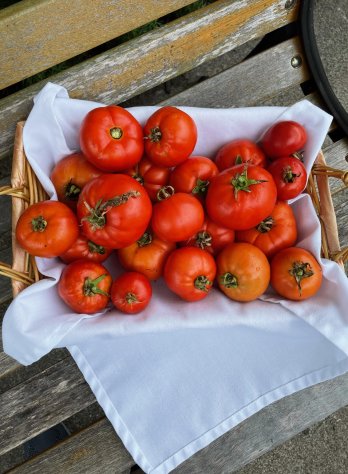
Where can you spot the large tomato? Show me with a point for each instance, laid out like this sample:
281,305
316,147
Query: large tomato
47,229
189,272
237,152
147,255
171,135
114,210
176,217
241,197
70,175
193,176
131,292
84,248
85,286
111,138
151,176
274,233
211,237
243,271
290,177
283,139
295,274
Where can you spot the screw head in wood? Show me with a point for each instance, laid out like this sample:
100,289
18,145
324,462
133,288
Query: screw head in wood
296,61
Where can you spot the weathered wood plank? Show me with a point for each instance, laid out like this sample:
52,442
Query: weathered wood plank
335,156
340,201
155,57
33,40
268,428
263,76
94,450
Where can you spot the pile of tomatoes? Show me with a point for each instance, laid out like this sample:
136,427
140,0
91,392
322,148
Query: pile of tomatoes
192,220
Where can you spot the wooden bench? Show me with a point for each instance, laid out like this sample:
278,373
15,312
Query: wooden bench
86,34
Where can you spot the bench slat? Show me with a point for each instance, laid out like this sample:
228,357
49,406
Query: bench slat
155,57
31,26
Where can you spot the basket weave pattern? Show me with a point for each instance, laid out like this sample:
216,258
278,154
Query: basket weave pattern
25,190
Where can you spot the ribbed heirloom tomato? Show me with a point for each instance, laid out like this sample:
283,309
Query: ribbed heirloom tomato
290,177
241,197
131,292
189,272
237,152
114,210
84,248
111,138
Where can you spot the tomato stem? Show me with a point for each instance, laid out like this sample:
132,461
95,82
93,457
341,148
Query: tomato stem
165,192
145,239
90,287
299,271
229,280
288,175
201,187
265,225
116,133
72,191
94,248
131,298
38,224
138,178
239,160
202,283
203,239
155,135
241,182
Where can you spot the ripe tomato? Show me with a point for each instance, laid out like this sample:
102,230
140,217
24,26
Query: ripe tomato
131,292
274,233
283,139
111,138
151,176
295,274
47,229
147,255
241,197
193,176
211,237
114,210
70,175
189,272
243,271
290,177
171,136
177,216
84,248
85,286
239,151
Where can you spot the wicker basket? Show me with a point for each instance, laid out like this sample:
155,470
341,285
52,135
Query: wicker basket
25,189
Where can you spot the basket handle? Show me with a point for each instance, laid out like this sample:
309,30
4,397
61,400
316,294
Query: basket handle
324,170
7,271
19,192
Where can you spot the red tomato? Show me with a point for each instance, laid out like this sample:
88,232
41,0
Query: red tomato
70,175
283,139
131,292
237,152
151,176
111,138
177,217
241,197
147,255
171,136
189,272
274,233
114,210
85,286
193,176
84,248
290,177
295,274
243,271
211,237
47,229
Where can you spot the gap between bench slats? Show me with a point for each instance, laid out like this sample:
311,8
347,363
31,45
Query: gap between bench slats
155,57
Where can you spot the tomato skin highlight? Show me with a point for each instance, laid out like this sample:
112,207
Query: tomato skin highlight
83,248
276,232
239,151
283,139
295,274
84,286
290,177
243,272
244,208
47,229
189,272
171,135
131,292
111,138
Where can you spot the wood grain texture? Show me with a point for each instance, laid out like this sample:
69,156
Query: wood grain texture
94,450
155,57
32,39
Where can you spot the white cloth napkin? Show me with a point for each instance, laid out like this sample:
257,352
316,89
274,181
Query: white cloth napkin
175,377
